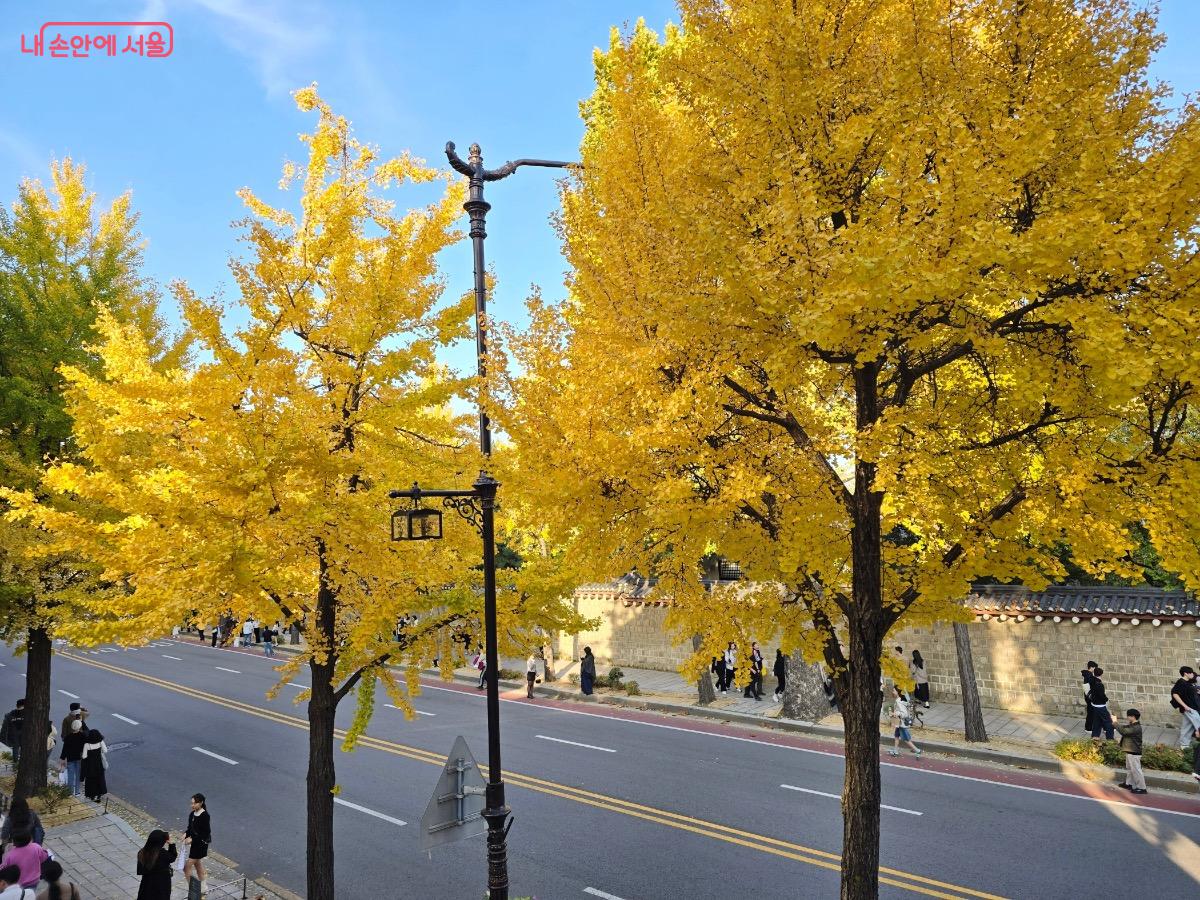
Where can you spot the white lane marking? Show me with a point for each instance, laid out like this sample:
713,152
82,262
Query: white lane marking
419,712
223,669
303,687
68,694
574,743
603,895
745,740
792,787
369,812
108,650
224,759
124,718
2,665
169,656
23,675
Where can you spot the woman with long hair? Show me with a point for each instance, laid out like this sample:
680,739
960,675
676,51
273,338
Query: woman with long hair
198,836
154,866
56,887
21,820
916,668
94,765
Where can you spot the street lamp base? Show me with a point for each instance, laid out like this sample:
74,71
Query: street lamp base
499,821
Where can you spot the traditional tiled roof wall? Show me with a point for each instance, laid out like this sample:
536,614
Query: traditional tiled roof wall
1056,603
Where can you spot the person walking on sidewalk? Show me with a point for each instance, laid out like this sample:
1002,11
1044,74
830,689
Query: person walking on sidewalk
198,836
12,729
587,671
72,754
268,641
57,887
1101,718
480,663
916,669
1131,743
730,666
780,673
247,632
902,715
530,675
94,765
754,688
1087,675
154,862
718,668
1186,699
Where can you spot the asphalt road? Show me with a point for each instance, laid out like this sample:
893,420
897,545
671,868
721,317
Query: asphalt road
607,803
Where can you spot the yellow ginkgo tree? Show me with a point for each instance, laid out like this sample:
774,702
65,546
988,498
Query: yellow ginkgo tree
873,299
255,483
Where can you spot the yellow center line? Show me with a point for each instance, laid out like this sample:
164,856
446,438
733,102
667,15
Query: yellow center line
763,843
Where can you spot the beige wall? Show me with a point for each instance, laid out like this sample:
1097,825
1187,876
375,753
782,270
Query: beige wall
1034,666
1027,666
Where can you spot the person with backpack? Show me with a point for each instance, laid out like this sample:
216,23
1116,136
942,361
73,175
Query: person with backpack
57,887
902,714
12,729
1186,699
10,884
154,866
1101,718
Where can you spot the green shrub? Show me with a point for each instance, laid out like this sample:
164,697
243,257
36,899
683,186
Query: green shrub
614,677
574,678
1154,756
511,675
53,796
632,689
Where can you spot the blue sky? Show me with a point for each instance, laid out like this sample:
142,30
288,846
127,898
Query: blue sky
184,133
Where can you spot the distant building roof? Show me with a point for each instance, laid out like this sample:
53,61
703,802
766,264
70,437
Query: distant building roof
1080,600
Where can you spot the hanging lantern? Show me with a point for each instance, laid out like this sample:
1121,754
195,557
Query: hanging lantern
418,523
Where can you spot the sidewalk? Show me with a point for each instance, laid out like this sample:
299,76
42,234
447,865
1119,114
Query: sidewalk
98,851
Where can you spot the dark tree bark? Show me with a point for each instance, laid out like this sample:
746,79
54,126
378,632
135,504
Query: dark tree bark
704,685
322,708
31,772
972,711
858,686
804,690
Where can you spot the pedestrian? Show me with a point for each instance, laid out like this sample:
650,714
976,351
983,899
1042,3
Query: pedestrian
1186,699
1196,757
78,712
247,632
57,887
1131,743
1087,676
268,641
27,855
916,669
93,766
754,688
12,729
257,627
902,714
154,866
10,885
730,666
72,754
216,632
21,820
480,664
1101,718
530,675
718,666
587,671
198,836
780,673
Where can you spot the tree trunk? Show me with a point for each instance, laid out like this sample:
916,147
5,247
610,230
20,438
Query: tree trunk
804,690
322,708
858,687
704,684
972,711
31,773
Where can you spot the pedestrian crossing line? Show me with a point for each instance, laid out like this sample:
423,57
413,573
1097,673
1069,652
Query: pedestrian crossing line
917,884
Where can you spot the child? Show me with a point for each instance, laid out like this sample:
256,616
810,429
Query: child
1131,743
903,717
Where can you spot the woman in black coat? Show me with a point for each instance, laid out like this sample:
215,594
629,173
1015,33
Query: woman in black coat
95,761
154,866
780,671
198,836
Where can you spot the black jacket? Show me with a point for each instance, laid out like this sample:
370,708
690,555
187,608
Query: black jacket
780,666
73,746
1187,691
14,724
156,881
1097,696
199,827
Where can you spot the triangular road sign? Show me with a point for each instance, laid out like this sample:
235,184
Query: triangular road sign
455,809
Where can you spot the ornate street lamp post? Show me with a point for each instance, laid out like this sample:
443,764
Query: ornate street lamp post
478,506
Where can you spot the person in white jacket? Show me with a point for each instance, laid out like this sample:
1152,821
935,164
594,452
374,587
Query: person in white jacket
730,665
